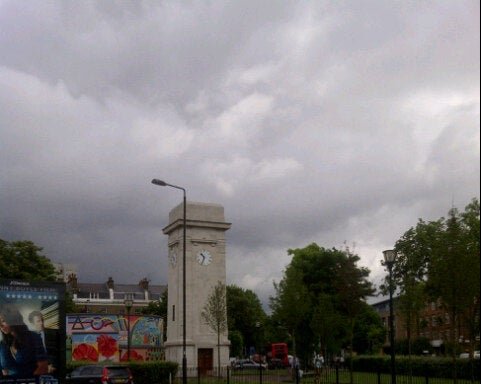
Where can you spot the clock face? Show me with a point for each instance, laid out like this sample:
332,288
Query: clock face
204,257
173,258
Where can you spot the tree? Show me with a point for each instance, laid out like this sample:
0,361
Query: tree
291,304
470,219
322,290
157,307
414,252
453,274
369,332
214,314
236,343
70,306
23,260
328,325
244,312
352,289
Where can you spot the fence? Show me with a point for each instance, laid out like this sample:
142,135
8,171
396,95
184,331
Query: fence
328,375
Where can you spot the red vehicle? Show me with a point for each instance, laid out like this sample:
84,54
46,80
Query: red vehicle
278,351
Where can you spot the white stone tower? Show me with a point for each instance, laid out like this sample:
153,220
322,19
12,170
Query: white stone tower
205,267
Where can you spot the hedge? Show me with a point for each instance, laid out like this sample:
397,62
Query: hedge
441,367
155,372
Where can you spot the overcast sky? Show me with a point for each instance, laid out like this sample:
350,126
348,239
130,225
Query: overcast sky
335,122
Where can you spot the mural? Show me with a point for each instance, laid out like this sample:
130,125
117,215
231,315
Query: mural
100,337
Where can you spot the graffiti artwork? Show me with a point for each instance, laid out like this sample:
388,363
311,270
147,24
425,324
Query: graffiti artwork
100,337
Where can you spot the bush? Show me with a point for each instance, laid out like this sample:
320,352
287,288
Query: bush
418,346
155,372
441,367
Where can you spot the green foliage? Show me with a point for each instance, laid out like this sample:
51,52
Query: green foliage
319,298
244,316
292,305
153,372
421,344
23,260
157,307
419,366
369,332
157,372
214,313
236,343
70,306
441,260
328,323
413,347
414,252
454,268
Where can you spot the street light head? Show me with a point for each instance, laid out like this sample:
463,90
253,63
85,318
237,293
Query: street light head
389,256
159,182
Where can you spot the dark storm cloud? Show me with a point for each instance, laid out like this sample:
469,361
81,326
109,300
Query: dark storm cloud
340,123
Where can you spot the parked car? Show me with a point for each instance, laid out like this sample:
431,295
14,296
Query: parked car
465,355
98,374
247,364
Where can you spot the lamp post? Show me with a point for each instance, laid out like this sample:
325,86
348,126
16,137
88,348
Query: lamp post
128,302
184,343
389,258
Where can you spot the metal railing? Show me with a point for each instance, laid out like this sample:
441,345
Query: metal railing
328,375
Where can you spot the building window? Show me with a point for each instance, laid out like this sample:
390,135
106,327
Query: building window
173,313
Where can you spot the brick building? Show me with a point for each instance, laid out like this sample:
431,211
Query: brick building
434,324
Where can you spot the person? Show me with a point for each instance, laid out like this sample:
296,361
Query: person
48,336
21,352
319,362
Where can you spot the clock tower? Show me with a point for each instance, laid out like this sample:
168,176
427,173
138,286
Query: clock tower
205,268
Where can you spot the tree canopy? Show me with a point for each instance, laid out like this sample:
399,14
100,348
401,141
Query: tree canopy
23,260
245,317
440,260
319,298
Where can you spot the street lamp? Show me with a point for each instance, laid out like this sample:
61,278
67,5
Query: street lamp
389,258
184,343
128,302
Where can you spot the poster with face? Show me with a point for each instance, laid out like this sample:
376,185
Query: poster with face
32,332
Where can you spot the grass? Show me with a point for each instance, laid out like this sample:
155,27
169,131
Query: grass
374,378
327,377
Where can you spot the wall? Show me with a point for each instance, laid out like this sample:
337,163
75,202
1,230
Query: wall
101,337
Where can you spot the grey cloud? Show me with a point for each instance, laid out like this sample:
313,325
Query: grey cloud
313,121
